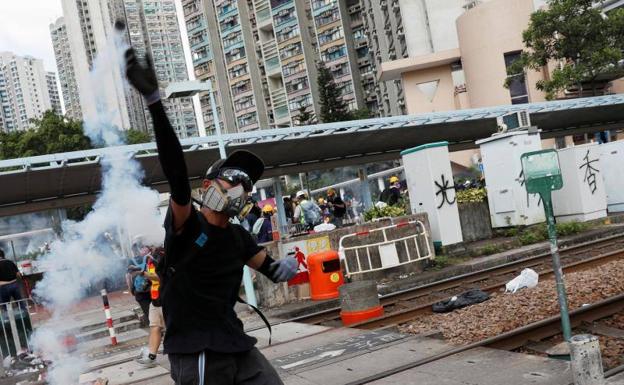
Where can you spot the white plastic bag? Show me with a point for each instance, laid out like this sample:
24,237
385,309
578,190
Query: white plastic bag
527,278
324,227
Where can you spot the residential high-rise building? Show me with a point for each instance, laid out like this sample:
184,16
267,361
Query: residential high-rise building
267,52
23,91
89,26
65,66
55,99
384,32
153,29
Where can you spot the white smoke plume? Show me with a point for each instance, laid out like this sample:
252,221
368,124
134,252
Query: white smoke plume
85,257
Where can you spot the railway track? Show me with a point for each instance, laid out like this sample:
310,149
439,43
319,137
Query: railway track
404,305
404,315
518,337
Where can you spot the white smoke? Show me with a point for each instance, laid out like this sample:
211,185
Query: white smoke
86,256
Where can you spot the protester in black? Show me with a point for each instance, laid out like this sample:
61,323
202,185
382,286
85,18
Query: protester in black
337,206
9,286
204,259
392,194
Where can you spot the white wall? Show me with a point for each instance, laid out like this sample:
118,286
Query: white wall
430,24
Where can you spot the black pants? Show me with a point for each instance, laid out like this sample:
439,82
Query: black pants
10,291
247,368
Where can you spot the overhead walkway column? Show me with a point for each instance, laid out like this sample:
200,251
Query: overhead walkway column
279,204
365,189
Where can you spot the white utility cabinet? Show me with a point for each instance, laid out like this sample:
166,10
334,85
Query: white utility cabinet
612,165
583,196
432,190
510,204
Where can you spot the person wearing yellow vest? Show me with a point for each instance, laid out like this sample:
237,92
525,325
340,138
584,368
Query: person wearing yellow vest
156,319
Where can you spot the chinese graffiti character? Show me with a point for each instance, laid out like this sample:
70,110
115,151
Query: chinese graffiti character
590,173
522,180
443,187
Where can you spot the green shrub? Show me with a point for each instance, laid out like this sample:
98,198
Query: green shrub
490,249
471,195
388,211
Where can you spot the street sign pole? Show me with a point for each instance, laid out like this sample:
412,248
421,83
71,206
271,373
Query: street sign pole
543,175
556,261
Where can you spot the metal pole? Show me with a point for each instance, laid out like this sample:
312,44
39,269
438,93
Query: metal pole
279,203
215,119
554,250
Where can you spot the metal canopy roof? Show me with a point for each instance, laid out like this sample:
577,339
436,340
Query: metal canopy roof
61,180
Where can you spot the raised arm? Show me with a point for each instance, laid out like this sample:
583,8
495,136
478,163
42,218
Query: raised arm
169,149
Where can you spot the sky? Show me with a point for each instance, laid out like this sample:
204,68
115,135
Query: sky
24,28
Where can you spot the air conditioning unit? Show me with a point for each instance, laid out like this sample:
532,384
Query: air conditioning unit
513,121
471,4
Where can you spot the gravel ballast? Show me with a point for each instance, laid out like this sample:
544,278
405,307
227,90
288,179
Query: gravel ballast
505,311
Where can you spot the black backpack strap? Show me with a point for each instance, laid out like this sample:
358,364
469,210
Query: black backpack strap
259,312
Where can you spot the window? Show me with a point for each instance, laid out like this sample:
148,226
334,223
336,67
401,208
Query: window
333,53
287,33
235,54
244,103
247,119
297,85
330,35
284,16
291,50
517,87
327,17
232,39
238,70
302,101
293,68
316,4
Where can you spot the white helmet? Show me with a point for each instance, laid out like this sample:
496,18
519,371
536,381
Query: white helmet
300,194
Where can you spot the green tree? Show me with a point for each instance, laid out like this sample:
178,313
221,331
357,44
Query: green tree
575,34
50,134
360,113
333,108
305,117
133,136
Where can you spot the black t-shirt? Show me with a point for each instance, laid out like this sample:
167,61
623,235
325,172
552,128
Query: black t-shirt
390,196
201,277
8,270
339,212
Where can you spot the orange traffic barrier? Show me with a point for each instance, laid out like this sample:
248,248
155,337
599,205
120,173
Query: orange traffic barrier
353,317
325,275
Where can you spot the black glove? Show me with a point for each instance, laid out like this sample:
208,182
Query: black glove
142,78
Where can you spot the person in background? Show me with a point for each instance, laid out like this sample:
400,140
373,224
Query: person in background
156,319
252,217
392,194
139,285
10,289
322,204
337,206
288,208
307,212
265,229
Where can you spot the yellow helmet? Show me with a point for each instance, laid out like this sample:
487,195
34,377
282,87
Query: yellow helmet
267,209
331,191
321,201
394,179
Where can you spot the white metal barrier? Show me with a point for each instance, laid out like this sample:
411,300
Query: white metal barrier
384,254
16,327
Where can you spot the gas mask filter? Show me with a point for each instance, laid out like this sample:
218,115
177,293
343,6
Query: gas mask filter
229,201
